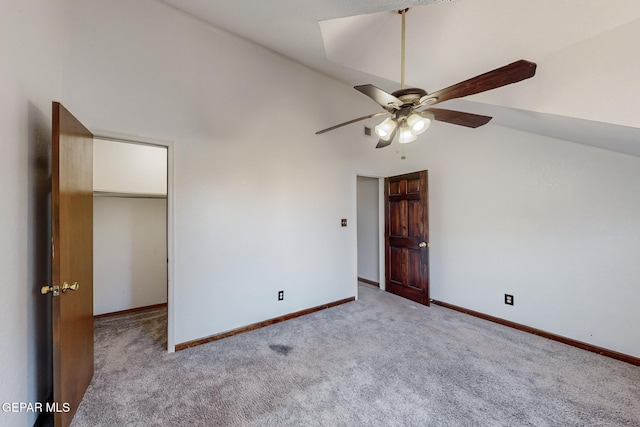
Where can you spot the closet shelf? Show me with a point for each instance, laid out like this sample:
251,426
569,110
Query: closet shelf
129,195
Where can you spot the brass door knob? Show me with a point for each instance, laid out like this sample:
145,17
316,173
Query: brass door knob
67,287
423,244
53,289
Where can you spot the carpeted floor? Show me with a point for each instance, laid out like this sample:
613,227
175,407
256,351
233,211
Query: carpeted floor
378,361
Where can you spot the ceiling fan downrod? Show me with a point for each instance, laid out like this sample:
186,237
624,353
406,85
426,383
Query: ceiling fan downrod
402,49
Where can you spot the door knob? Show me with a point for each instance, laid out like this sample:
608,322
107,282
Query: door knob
54,289
423,244
67,287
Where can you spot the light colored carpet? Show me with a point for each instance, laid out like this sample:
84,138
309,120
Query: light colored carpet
378,361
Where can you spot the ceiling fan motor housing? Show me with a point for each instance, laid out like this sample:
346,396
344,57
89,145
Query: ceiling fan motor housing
409,96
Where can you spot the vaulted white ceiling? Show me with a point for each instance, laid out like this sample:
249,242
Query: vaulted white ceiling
586,51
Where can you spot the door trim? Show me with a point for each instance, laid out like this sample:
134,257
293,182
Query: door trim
171,195
381,230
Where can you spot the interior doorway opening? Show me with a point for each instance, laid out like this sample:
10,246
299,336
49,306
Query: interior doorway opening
132,219
369,231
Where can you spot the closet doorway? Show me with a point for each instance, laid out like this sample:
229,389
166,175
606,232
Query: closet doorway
130,226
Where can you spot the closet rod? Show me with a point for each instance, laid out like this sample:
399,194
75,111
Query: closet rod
129,195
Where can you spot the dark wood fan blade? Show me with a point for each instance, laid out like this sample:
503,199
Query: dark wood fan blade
460,118
351,121
512,73
382,143
386,100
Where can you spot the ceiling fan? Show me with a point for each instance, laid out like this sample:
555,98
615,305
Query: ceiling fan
407,120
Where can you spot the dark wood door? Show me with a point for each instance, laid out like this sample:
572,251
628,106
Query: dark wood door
407,236
72,262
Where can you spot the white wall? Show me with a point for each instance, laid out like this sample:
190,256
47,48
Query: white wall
120,167
130,253
368,229
554,223
258,196
33,39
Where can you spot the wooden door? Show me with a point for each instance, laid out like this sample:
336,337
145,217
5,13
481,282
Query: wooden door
407,236
72,262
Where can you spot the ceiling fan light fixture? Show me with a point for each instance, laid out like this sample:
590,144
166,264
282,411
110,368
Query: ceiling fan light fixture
418,123
385,129
405,135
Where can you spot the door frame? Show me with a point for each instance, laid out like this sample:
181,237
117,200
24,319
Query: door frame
381,228
169,145
381,248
